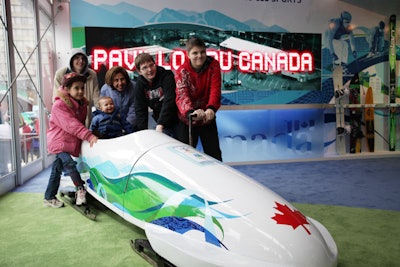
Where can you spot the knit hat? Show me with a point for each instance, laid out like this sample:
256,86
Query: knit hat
71,77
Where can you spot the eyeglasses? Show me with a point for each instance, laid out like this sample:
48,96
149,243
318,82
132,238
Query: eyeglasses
147,67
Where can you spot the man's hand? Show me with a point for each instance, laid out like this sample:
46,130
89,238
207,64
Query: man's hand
210,115
198,115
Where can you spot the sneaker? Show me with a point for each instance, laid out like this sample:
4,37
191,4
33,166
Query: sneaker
80,196
53,203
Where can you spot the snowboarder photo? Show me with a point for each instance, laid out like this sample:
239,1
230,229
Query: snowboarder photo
339,37
376,39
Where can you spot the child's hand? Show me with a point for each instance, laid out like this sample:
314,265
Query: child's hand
93,140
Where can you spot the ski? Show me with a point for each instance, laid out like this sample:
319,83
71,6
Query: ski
337,77
355,115
392,83
369,120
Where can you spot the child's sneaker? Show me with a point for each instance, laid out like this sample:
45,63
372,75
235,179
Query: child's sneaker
53,203
80,196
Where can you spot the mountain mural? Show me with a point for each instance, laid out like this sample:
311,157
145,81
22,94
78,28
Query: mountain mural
125,15
85,14
140,13
257,26
210,18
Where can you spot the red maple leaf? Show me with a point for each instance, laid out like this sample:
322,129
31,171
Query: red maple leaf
290,217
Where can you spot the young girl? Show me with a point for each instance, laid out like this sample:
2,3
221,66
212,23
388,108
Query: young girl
64,137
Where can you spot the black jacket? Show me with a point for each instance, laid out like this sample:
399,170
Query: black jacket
160,97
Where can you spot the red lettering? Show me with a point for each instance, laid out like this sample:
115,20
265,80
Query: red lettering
245,61
307,62
99,57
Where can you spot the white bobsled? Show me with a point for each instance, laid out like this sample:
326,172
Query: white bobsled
197,211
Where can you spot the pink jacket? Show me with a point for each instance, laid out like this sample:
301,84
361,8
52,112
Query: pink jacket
67,125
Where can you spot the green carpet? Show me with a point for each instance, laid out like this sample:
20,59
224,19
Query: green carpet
364,237
32,235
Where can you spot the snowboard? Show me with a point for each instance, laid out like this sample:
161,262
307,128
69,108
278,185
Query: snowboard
337,77
392,83
355,115
369,120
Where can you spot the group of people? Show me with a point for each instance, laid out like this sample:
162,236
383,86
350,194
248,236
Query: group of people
190,95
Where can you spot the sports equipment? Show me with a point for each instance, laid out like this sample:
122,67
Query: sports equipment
337,76
369,120
355,115
392,81
192,206
67,194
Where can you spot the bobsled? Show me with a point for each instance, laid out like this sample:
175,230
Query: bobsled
197,211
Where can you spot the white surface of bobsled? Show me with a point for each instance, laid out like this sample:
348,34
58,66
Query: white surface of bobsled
197,211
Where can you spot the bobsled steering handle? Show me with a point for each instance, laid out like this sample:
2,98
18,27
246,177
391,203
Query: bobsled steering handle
191,116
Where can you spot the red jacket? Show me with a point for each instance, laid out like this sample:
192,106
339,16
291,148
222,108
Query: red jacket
67,125
195,90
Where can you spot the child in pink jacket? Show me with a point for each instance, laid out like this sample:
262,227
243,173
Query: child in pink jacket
64,137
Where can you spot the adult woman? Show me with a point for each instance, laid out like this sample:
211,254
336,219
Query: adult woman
120,88
198,94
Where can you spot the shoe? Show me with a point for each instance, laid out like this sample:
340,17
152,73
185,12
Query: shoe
80,196
53,203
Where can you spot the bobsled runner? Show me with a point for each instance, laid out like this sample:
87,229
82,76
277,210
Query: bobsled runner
67,194
144,249
197,211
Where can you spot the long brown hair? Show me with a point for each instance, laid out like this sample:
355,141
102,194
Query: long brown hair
109,77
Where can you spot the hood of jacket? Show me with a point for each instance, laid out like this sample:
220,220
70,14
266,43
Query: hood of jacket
75,52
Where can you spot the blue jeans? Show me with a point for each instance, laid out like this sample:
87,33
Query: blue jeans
63,163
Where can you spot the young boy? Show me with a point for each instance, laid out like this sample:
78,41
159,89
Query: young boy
64,137
155,89
198,92
107,121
